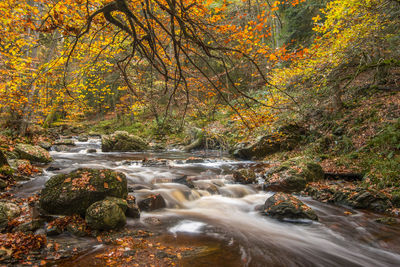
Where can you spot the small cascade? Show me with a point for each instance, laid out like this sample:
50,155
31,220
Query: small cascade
205,206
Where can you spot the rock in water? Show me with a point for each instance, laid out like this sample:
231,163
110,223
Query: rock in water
8,211
122,203
152,202
105,215
83,138
123,142
285,206
245,176
33,153
74,192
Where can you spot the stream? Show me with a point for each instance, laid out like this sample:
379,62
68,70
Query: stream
226,222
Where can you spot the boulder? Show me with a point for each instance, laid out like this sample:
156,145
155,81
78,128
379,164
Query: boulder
73,193
122,203
133,210
152,202
91,150
22,166
371,200
33,153
8,211
358,198
206,186
245,176
285,181
83,138
123,142
185,181
293,175
285,206
45,145
105,215
285,138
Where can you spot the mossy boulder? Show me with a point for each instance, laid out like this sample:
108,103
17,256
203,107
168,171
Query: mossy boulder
73,193
358,198
245,176
121,141
33,153
306,167
45,145
8,211
284,138
293,175
285,206
122,203
105,215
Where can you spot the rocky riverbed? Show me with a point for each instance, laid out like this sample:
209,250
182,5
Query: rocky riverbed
93,208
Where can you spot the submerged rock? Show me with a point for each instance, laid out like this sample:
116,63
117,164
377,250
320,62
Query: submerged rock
8,211
105,215
152,202
123,142
33,153
245,176
75,192
285,206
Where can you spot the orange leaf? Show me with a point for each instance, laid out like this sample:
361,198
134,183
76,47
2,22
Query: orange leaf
67,180
105,185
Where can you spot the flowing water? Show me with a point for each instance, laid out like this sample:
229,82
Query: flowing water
224,222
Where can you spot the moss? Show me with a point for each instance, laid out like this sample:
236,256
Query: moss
33,153
105,215
75,192
123,142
